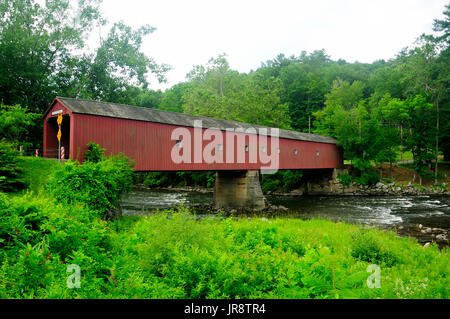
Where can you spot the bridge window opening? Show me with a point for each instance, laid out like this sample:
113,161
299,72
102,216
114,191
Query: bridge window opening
295,151
317,153
51,145
219,147
278,150
246,148
179,144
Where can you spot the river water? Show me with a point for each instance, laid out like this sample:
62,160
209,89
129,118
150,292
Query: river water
430,211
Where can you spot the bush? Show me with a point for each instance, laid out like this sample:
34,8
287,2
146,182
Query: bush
368,178
94,153
17,125
156,179
97,185
287,180
367,247
291,179
164,179
9,170
345,179
270,185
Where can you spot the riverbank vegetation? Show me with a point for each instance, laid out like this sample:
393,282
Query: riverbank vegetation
172,254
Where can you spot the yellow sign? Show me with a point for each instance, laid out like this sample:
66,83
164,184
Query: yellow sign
59,135
59,120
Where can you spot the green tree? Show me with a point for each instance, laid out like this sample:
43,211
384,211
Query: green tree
218,91
118,66
9,170
443,40
37,47
342,98
428,75
421,133
173,97
18,125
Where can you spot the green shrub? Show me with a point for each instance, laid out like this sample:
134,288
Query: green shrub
270,185
291,179
287,180
94,153
345,179
360,165
38,237
19,126
10,179
366,246
156,179
368,178
97,185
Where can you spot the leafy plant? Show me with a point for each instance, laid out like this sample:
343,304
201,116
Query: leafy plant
94,153
10,179
97,185
345,179
366,246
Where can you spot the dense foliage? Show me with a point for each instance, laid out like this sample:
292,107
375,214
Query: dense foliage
286,181
94,153
10,179
180,179
99,185
172,254
20,126
41,54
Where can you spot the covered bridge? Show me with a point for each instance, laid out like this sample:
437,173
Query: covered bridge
147,136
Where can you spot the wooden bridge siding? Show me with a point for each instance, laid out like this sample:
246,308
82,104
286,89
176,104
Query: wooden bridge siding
150,145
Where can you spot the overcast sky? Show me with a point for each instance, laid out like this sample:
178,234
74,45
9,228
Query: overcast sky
250,32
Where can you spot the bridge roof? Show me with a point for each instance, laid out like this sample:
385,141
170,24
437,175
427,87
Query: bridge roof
179,119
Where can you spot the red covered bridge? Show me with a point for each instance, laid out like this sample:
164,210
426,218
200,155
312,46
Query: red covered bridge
153,137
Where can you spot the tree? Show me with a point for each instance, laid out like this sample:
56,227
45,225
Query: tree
118,66
428,75
17,125
218,91
342,98
173,97
421,133
443,41
37,45
10,172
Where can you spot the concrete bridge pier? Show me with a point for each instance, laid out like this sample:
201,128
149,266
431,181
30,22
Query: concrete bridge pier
238,189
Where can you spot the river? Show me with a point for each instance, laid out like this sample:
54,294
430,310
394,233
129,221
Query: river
430,211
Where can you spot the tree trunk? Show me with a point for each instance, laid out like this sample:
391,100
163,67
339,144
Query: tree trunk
437,142
401,142
221,87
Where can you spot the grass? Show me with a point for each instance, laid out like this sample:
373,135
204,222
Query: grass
278,258
173,255
407,155
37,171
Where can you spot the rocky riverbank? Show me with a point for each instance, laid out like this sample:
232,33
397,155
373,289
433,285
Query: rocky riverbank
335,187
425,235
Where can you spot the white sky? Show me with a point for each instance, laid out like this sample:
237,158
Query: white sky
250,32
